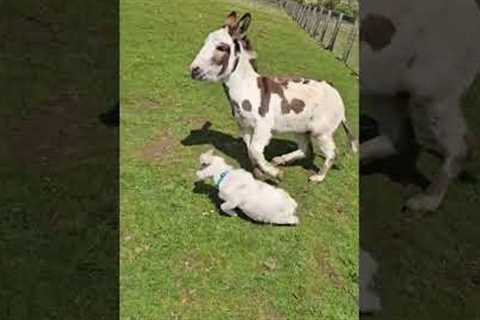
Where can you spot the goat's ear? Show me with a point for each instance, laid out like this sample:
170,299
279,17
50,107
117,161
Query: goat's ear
210,152
231,19
244,23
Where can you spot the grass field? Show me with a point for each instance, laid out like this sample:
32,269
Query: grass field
182,259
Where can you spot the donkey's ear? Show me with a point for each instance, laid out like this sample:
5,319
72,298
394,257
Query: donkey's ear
231,19
244,23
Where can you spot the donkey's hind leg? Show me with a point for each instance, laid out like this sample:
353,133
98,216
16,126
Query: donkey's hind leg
327,146
303,143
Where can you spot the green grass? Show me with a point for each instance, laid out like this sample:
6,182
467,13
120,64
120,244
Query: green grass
180,258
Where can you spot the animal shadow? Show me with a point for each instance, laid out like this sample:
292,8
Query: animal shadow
111,118
235,147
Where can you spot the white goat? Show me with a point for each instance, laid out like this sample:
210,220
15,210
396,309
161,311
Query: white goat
239,189
263,106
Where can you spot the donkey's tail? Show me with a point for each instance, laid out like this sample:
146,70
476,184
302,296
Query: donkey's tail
351,139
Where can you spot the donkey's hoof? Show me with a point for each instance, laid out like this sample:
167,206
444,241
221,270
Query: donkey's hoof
317,178
278,161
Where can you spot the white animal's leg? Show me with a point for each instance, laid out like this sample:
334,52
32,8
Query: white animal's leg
379,147
327,146
260,139
303,142
246,134
447,129
228,207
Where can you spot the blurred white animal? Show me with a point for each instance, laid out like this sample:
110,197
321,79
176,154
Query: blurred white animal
422,50
239,189
369,300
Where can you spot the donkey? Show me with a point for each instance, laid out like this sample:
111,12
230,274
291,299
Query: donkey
263,106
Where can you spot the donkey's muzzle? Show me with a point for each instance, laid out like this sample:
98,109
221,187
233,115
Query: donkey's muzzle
196,73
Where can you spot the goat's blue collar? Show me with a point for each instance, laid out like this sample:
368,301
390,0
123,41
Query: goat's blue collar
220,178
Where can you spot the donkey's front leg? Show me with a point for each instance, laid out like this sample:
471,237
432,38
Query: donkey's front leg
260,139
246,134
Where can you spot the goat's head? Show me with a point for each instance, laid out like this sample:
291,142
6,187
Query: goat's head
221,51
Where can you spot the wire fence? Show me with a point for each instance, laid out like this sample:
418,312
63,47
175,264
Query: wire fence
333,30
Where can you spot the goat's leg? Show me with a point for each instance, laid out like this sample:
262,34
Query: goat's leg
260,139
442,128
303,143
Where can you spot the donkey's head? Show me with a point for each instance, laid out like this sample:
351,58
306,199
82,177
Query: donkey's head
220,54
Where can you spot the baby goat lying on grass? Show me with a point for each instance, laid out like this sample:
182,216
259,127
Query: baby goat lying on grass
239,189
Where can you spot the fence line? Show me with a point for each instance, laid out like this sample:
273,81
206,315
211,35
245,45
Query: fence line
333,30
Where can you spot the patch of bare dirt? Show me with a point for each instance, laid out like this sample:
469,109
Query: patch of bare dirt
161,146
326,267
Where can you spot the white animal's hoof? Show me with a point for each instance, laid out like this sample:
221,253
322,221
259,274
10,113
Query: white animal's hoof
317,178
275,173
423,202
278,161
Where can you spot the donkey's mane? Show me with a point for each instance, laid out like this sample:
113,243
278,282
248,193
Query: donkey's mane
247,47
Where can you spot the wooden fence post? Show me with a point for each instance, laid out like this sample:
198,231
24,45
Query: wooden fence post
313,20
318,23
304,9
325,27
300,15
304,17
350,41
335,32
309,17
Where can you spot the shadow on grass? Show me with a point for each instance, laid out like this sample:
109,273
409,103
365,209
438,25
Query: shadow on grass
235,147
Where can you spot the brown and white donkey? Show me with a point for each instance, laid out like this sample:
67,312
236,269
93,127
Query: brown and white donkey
263,106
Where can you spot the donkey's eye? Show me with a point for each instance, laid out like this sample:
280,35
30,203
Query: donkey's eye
223,48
